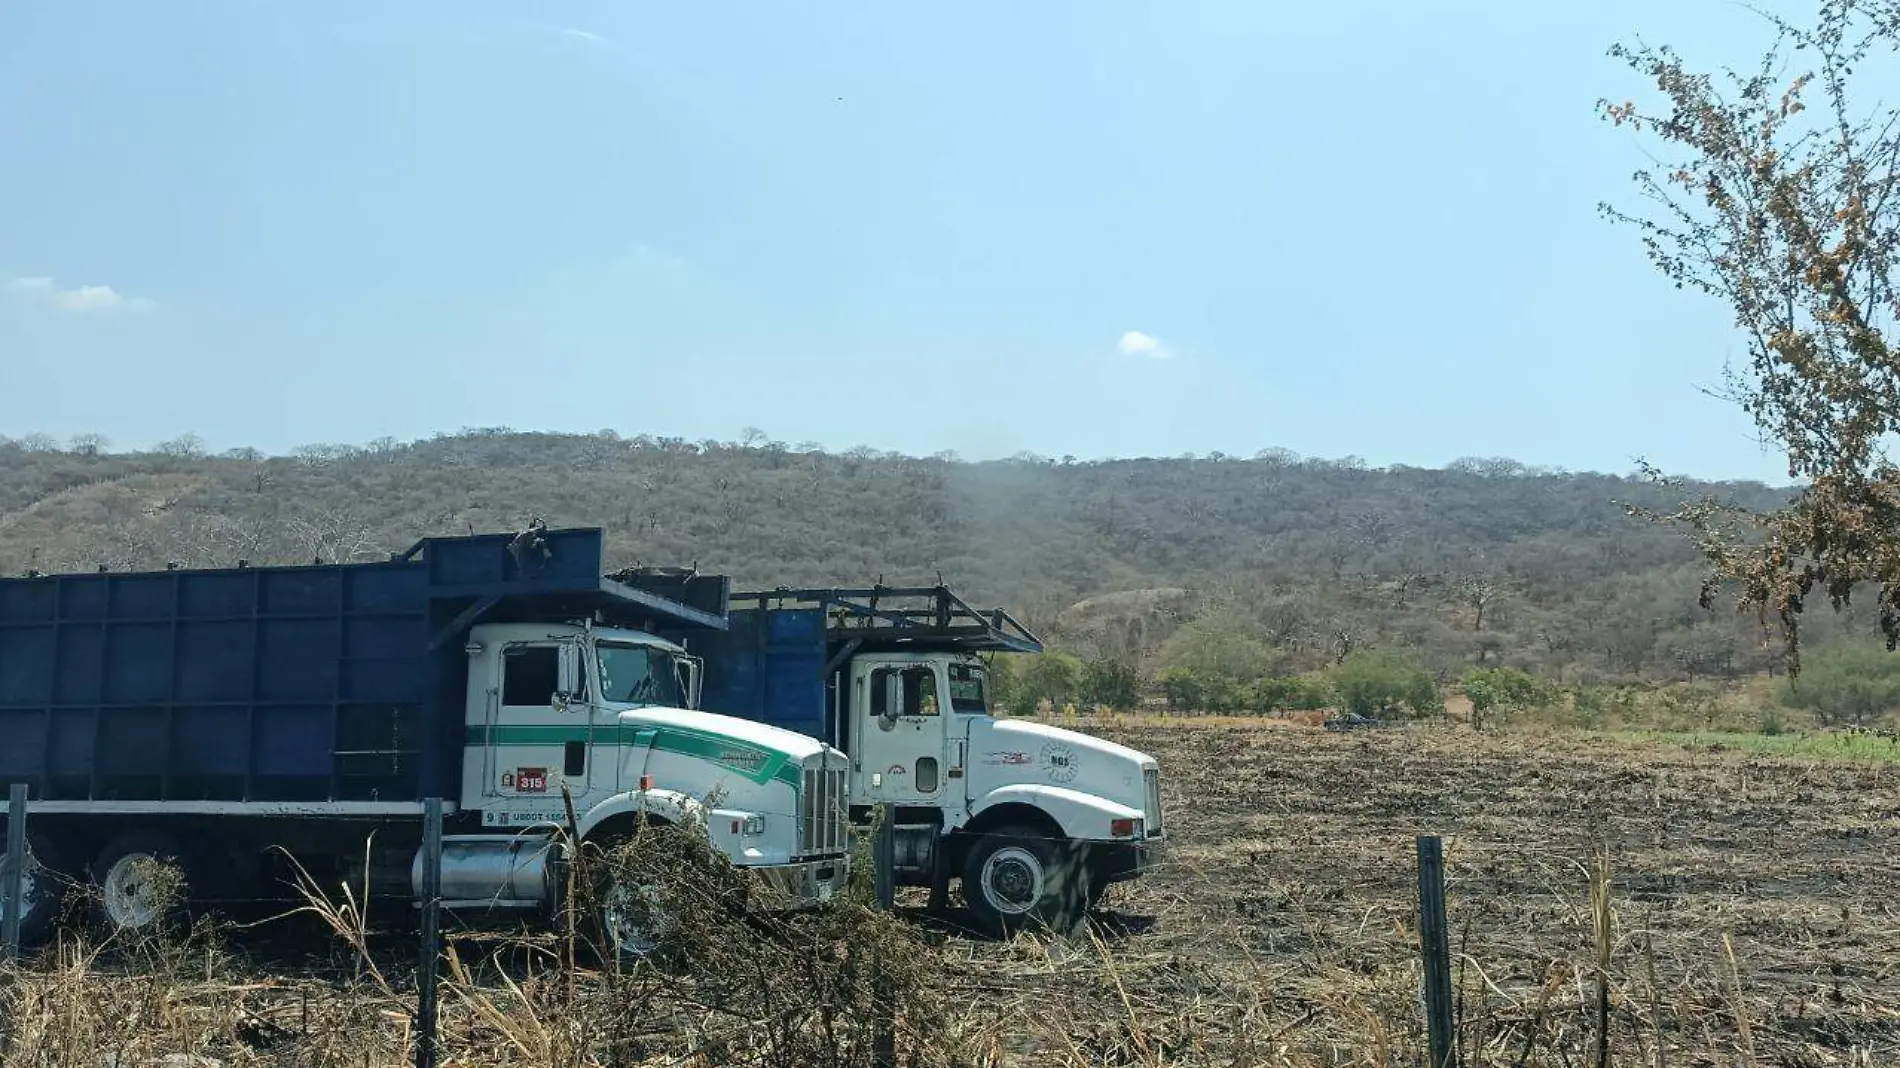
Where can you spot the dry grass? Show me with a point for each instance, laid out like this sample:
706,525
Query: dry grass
1652,905
1301,871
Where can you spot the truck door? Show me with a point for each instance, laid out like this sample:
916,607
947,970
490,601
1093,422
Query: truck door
898,731
540,730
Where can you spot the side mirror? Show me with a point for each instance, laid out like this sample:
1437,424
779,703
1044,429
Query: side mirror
567,685
689,670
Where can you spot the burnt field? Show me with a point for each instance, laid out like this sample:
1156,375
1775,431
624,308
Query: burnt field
1749,920
1751,901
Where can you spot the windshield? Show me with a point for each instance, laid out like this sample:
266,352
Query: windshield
638,674
968,691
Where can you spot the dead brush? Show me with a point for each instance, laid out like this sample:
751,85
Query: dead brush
741,981
104,997
346,916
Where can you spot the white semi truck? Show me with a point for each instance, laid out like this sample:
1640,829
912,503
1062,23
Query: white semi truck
1036,821
217,719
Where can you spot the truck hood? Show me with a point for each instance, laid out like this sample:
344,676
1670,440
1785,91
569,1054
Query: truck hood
1038,753
796,748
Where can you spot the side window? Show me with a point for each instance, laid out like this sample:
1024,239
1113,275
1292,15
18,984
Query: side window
881,693
920,691
529,674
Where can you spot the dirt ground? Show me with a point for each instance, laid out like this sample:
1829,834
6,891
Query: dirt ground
1751,902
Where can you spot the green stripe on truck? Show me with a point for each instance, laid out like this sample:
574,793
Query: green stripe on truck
755,762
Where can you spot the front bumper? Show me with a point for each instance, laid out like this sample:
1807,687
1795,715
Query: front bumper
806,884
1114,862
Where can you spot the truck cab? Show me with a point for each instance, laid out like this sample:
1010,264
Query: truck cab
1035,820
608,716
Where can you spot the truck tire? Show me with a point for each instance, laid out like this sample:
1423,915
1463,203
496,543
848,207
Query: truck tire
631,914
1017,877
134,898
43,889
636,925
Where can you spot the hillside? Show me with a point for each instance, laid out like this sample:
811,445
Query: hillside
1484,562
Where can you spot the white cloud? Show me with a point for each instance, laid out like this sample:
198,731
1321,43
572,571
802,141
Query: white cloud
82,300
1136,343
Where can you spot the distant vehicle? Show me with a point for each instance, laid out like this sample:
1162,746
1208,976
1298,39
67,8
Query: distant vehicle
1035,820
205,717
1350,721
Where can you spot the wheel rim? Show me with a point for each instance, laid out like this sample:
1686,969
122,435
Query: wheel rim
636,922
1012,880
33,889
132,891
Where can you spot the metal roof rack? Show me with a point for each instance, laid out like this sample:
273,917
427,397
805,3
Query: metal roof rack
903,617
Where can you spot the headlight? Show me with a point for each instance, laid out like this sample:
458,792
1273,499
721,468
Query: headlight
749,827
1124,828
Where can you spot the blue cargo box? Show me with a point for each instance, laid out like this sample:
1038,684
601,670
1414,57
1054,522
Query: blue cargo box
315,684
769,667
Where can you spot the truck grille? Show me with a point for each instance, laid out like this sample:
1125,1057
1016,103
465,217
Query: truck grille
1151,778
821,818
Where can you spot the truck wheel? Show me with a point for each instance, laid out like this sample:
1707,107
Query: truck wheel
631,913
143,882
635,921
42,890
1017,878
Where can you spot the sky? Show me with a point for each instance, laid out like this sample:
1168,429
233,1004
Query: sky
1096,229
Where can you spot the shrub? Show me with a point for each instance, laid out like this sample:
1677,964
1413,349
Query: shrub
1297,693
1209,691
1771,723
1025,682
1502,690
1111,682
1182,688
1590,701
1194,691
1221,644
1224,693
1003,682
1384,682
1693,701
1847,684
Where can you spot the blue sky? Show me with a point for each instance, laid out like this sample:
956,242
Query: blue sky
1100,228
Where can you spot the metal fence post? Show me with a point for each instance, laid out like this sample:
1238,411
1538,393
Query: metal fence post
430,956
1435,948
884,857
883,868
14,887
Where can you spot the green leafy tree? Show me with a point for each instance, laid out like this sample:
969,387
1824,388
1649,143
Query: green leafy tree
1775,195
1111,682
1004,680
1384,683
1499,690
1184,690
1847,684
1298,693
1197,692
1221,644
1053,676
1224,693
